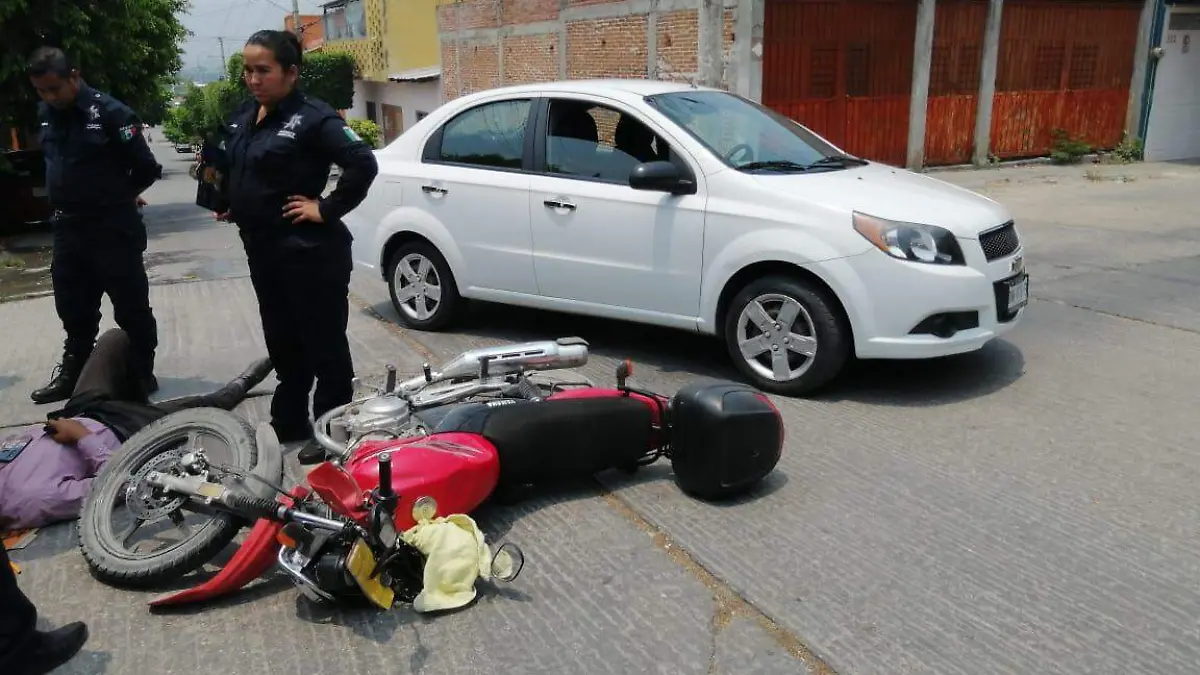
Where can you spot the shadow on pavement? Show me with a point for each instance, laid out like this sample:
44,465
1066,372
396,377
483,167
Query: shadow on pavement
661,472
7,381
85,662
925,382
930,382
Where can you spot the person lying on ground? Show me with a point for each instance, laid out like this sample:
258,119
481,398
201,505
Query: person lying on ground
45,472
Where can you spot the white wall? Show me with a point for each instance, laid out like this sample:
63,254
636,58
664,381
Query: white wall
363,92
1173,130
411,97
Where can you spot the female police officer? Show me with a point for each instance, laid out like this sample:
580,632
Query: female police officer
279,147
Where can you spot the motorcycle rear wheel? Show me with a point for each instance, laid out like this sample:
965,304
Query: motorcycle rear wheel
107,558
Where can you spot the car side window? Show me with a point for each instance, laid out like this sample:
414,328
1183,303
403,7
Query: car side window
593,141
491,135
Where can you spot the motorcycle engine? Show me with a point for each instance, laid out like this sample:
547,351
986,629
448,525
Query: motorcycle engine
387,413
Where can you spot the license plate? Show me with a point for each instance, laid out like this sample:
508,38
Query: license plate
360,563
1018,293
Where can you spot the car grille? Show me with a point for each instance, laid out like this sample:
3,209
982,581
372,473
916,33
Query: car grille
1000,241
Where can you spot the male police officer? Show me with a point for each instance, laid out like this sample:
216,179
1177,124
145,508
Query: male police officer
97,165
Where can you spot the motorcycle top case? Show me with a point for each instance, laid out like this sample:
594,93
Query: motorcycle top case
726,437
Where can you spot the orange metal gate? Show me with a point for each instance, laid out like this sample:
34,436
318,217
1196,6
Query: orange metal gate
1063,64
843,68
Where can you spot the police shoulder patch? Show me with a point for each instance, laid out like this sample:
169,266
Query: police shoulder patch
128,132
350,134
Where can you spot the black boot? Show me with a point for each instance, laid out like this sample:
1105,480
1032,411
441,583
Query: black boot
51,649
229,396
62,382
312,453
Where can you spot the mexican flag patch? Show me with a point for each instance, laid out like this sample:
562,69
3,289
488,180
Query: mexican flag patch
351,135
128,132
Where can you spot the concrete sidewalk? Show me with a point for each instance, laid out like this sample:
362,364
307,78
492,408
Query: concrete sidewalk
601,591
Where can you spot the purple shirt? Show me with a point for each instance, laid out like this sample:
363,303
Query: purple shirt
47,482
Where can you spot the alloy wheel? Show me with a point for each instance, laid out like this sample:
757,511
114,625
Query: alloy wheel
776,337
418,286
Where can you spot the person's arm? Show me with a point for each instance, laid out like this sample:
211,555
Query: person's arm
338,141
95,449
135,152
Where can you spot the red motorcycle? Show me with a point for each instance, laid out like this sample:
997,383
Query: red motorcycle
438,444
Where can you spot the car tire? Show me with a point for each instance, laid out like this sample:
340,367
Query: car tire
816,316
448,302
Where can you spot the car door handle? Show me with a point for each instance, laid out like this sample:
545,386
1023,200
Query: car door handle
556,204
433,189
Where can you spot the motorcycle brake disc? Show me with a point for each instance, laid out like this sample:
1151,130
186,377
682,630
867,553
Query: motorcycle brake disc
149,503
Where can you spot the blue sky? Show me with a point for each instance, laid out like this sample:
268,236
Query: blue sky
234,20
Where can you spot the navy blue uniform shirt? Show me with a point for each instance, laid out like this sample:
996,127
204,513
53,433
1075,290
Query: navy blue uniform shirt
290,153
96,155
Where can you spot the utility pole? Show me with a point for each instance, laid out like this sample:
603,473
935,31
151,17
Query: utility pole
296,18
224,64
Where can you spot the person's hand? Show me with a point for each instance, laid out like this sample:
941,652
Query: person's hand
140,202
221,216
303,209
67,431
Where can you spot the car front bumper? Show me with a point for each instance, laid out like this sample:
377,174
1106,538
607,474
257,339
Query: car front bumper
904,310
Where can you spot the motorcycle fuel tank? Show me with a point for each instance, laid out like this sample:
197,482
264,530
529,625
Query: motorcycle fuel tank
458,470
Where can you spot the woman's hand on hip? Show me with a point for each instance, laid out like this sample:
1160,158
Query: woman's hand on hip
303,209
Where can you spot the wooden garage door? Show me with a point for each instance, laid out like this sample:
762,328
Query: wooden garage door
1063,64
843,68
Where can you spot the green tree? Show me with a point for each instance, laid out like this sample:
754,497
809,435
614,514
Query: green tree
123,47
367,130
328,76
203,111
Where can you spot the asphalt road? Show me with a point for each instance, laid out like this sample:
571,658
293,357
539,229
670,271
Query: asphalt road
1028,508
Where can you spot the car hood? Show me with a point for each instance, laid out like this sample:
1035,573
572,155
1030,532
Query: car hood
895,194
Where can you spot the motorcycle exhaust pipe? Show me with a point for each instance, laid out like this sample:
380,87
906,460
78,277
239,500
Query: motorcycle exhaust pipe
570,352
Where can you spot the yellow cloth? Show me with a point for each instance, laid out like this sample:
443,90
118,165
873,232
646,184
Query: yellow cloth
456,555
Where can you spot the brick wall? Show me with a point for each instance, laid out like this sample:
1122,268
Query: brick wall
489,43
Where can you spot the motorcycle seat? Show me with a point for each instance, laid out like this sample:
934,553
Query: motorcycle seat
557,440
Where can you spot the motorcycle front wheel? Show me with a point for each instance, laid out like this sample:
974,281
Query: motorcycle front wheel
120,492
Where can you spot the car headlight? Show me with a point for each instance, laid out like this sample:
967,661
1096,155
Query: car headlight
910,241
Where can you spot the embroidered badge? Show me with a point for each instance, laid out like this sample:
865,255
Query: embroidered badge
351,135
94,112
289,127
128,132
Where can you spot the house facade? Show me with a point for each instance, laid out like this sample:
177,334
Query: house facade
906,82
395,44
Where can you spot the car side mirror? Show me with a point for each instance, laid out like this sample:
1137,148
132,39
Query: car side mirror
661,176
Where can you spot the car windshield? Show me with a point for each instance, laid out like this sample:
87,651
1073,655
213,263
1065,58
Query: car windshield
748,136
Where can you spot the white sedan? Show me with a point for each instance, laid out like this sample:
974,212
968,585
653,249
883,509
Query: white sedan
693,208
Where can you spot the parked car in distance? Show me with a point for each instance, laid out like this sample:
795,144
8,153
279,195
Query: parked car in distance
182,148
692,208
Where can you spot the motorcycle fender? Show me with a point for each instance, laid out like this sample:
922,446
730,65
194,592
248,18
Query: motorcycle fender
254,557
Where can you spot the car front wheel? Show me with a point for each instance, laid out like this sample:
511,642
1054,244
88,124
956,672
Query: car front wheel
786,335
422,287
